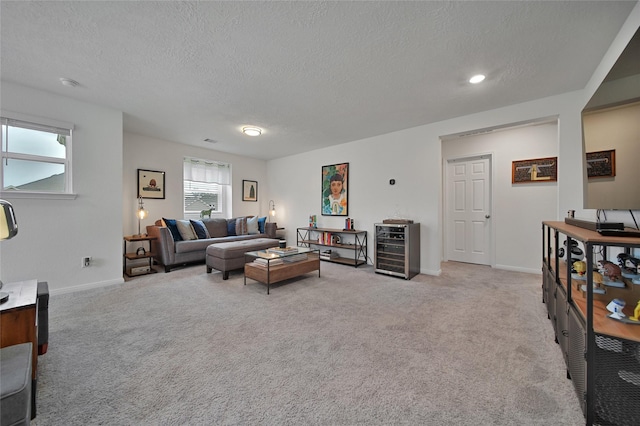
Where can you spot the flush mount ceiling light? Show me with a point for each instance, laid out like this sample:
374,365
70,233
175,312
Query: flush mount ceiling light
478,78
252,131
69,82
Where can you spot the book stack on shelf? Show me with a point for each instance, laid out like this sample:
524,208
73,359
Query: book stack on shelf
329,254
348,225
327,238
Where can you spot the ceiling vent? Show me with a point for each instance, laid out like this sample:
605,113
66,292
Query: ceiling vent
211,140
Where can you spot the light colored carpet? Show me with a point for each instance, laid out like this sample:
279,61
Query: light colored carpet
472,347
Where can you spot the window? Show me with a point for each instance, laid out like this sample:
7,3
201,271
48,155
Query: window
35,157
205,185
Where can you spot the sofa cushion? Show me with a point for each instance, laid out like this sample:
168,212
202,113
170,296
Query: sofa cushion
186,230
231,226
252,225
192,245
236,249
261,222
201,245
217,227
241,226
173,227
200,229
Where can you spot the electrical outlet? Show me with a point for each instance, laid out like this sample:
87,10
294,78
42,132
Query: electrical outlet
86,261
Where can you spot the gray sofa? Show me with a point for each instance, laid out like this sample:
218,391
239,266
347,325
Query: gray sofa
171,251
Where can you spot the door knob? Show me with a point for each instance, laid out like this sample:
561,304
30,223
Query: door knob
487,216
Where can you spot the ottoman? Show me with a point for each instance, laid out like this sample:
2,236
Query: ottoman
15,384
226,257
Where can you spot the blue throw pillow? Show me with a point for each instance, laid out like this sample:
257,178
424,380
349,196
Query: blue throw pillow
173,227
261,222
231,227
200,229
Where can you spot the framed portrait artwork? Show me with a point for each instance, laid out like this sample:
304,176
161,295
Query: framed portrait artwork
535,170
249,190
601,164
150,184
335,195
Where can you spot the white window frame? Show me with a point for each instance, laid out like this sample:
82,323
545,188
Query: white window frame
13,119
223,191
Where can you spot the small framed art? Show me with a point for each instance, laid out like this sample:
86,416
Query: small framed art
249,190
601,164
535,170
150,184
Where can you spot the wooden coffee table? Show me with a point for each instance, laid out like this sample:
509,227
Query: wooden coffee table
270,266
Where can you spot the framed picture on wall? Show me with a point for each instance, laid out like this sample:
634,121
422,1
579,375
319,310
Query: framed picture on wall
601,164
249,190
535,170
335,195
150,184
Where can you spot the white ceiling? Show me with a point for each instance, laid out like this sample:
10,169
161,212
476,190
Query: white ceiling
312,74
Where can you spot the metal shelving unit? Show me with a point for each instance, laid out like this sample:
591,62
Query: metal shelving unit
353,240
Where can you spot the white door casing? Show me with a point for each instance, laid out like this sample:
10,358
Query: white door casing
468,210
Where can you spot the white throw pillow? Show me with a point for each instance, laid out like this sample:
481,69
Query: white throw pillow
252,225
186,230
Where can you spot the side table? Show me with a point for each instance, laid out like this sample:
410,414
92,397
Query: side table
140,253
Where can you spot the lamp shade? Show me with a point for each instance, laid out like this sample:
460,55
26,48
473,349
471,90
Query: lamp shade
8,224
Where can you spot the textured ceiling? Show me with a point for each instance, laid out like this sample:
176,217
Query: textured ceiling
312,74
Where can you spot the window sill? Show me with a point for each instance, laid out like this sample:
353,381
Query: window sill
37,195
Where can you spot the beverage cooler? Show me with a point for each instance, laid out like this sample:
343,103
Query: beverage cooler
397,249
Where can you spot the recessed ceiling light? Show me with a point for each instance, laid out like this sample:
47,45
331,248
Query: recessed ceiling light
69,82
478,78
252,131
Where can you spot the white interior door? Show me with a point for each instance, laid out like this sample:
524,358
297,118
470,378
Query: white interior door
468,212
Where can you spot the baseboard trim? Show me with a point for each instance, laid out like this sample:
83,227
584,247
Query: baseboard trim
88,286
431,272
518,269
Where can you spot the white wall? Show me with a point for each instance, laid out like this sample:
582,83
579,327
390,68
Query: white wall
142,152
617,128
518,208
53,234
413,158
622,39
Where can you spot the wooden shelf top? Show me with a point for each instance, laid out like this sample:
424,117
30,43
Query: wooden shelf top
143,237
589,236
346,231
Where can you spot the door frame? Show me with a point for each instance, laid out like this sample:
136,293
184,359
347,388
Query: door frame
491,246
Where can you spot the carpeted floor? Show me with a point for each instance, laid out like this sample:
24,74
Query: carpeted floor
471,347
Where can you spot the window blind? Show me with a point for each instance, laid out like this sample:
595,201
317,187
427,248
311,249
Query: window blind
207,171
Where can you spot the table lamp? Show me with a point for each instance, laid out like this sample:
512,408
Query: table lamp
8,229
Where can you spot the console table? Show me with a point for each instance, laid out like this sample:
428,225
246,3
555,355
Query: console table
602,354
346,239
